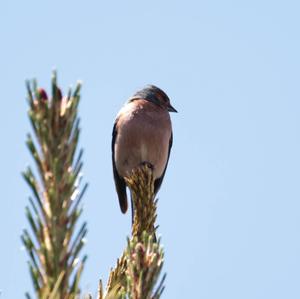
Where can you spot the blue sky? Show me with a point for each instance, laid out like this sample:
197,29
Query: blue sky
229,205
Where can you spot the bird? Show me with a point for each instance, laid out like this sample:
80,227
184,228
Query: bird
142,134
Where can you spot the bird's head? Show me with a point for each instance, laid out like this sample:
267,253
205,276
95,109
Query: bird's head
154,95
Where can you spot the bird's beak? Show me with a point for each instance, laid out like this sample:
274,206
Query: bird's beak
171,108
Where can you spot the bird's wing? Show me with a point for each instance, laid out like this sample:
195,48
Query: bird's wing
158,181
119,181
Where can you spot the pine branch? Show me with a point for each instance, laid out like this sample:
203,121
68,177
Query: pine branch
145,261
138,269
54,245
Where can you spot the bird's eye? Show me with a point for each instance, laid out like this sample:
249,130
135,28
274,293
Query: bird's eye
163,99
166,100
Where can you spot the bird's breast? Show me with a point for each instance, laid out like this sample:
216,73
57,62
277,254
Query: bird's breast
142,137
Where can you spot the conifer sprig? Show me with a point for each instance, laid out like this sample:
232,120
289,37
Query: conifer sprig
145,260
137,271
54,244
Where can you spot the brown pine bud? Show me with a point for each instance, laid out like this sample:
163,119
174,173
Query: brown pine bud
42,94
58,94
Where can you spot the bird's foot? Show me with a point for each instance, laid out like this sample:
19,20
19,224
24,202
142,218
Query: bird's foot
148,164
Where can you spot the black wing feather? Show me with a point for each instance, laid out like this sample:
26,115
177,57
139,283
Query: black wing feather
119,181
158,181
